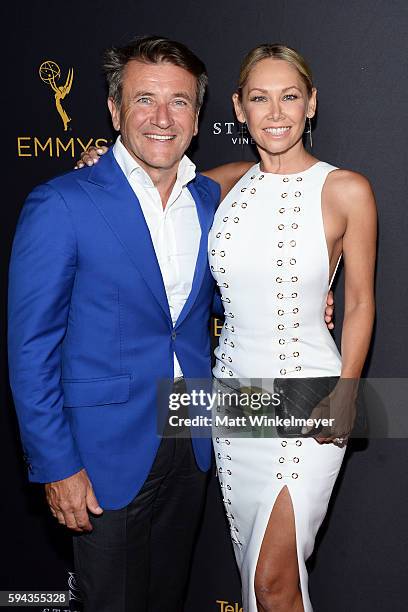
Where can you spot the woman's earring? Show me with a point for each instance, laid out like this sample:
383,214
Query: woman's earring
309,131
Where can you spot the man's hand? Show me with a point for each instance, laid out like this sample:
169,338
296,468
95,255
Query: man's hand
90,156
70,499
328,313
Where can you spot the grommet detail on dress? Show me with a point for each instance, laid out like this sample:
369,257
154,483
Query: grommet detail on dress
295,475
253,190
236,219
218,235
284,195
281,459
280,244
299,178
294,226
261,177
279,262
282,371
292,261
279,475
227,235
298,442
281,226
295,459
292,243
244,205
283,443
225,219
282,210
278,279
285,180
297,194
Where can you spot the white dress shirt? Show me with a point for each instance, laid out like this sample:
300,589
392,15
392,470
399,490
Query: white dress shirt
175,231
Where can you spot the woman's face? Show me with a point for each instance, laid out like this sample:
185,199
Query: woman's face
275,104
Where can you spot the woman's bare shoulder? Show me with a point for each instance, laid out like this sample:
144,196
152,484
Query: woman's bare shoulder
228,175
347,188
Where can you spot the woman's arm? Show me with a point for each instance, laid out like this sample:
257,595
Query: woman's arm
353,196
228,174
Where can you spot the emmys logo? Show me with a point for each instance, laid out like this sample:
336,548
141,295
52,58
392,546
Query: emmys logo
53,145
49,73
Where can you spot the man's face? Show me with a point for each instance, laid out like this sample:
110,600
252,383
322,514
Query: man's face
157,117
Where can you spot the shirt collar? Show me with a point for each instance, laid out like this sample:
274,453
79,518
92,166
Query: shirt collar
185,173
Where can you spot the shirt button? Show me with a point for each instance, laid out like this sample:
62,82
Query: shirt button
173,335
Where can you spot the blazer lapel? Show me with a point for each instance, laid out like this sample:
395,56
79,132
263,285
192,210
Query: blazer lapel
112,195
205,218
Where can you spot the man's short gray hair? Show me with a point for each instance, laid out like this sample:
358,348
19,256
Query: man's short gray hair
152,49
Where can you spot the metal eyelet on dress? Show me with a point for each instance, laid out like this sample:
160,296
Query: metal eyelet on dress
297,209
284,195
279,262
225,219
233,205
282,356
294,294
281,341
294,226
231,373
282,210
298,442
280,244
280,327
298,368
218,235
261,177
227,235
279,296
292,261
285,180
236,219
253,176
281,312
279,475
281,459
282,371
292,243
244,205
295,475
296,354
212,251
296,325
294,279
222,270
278,279
297,194
253,190
299,178
284,443
295,310
222,254
295,459
243,189
281,226
223,369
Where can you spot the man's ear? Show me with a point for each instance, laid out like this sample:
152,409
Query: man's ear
195,132
238,108
115,114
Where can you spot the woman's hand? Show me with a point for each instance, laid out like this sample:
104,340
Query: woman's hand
339,408
90,156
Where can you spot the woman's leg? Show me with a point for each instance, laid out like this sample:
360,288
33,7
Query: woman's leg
277,573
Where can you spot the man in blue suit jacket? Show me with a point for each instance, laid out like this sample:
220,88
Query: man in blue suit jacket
93,329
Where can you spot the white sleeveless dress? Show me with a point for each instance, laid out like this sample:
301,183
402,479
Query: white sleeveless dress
268,254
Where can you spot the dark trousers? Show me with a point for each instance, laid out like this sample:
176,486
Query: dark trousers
138,558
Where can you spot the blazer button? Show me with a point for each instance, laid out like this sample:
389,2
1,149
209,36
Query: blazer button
173,335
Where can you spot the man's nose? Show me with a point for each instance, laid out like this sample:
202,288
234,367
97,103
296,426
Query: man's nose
162,117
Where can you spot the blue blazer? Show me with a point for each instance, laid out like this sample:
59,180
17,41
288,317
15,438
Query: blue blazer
90,331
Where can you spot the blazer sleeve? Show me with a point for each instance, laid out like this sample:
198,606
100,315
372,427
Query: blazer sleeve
41,277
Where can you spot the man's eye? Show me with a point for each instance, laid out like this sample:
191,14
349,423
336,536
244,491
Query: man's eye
180,103
144,100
